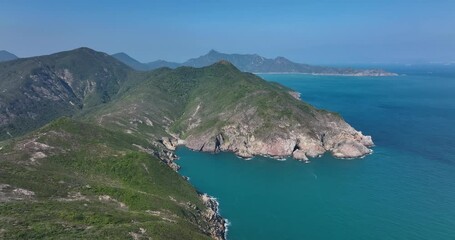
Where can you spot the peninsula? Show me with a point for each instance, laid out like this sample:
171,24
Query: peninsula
87,140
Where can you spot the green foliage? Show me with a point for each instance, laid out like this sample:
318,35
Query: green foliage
90,161
40,89
89,220
90,178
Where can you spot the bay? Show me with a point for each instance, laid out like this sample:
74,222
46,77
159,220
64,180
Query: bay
404,190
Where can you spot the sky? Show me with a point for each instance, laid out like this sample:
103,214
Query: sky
323,31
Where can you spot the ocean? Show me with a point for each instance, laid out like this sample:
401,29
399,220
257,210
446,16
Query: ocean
404,190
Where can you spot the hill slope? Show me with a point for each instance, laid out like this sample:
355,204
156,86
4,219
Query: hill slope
219,108
7,56
73,180
39,89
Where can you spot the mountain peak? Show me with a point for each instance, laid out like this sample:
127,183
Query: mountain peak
81,52
83,49
282,59
85,56
224,62
121,54
250,63
6,56
212,51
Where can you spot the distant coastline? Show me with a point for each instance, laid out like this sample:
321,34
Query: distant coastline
332,74
254,63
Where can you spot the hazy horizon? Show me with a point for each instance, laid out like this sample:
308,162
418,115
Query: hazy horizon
327,32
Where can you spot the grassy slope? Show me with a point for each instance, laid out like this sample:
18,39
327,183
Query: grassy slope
237,92
93,161
176,94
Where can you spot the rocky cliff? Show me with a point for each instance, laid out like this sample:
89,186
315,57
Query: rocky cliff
298,141
258,118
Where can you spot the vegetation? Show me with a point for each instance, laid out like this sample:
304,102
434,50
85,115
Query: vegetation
82,132
37,90
93,184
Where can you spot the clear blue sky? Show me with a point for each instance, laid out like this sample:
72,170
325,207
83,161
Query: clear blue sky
331,32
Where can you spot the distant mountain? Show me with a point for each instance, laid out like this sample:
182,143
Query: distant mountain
255,64
125,58
162,63
258,64
6,56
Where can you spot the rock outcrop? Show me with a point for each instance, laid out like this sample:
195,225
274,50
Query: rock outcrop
299,140
218,225
169,143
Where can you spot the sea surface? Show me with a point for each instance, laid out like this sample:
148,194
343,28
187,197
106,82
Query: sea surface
404,190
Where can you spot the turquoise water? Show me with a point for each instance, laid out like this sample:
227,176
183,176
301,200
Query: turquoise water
404,190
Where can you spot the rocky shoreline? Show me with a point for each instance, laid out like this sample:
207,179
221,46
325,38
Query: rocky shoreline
343,145
337,138
219,225
346,143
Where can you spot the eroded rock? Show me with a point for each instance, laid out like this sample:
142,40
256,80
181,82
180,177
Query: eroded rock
338,138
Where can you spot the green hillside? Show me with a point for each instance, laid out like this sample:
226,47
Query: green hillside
39,89
76,180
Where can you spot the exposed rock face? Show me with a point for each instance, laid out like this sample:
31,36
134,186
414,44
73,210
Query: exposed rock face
350,149
10,193
329,134
169,143
217,223
299,155
296,95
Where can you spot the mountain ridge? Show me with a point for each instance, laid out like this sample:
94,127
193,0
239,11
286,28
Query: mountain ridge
125,58
257,64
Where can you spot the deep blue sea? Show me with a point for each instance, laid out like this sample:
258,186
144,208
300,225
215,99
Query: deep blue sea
404,190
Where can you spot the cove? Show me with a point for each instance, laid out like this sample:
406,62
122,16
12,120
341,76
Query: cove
404,190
